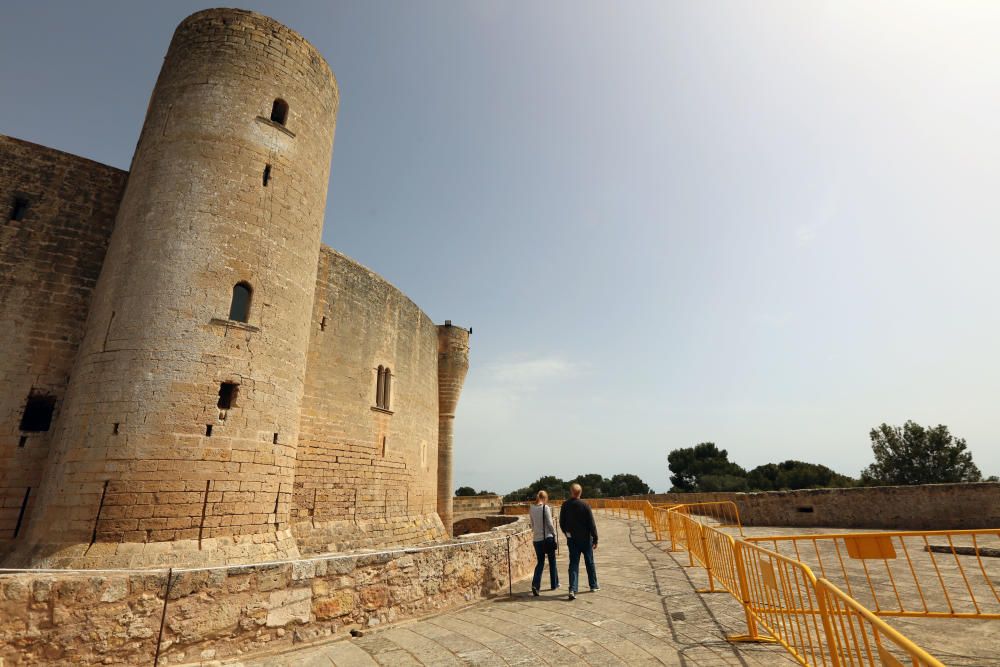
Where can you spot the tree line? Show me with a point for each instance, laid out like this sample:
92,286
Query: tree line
908,454
594,486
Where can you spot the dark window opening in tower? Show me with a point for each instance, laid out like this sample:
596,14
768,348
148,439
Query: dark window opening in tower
19,209
227,395
274,440
386,389
37,415
378,387
279,111
383,388
239,309
208,430
267,174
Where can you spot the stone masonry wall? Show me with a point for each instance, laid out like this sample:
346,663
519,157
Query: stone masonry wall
49,263
920,507
144,449
365,476
57,618
466,507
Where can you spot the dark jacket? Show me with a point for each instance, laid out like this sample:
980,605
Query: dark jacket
577,521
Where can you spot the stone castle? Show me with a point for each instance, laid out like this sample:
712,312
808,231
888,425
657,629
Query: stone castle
188,376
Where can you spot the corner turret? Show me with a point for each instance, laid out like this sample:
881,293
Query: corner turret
453,364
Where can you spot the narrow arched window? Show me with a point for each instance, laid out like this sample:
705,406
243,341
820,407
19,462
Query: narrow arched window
239,309
279,111
379,387
386,389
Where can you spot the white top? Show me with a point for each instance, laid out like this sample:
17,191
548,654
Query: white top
541,522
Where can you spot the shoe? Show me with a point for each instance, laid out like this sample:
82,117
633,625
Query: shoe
572,595
595,589
555,588
534,591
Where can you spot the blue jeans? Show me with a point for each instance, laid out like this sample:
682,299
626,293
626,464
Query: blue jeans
543,548
576,548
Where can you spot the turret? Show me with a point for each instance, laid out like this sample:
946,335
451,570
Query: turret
181,418
453,364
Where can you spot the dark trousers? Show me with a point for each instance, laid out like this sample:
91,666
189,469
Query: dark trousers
546,547
576,549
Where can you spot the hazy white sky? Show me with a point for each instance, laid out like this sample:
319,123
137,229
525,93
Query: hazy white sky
772,225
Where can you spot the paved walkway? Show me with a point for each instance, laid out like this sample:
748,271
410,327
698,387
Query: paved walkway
646,613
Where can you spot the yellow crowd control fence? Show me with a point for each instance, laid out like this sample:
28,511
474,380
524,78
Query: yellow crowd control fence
812,617
934,574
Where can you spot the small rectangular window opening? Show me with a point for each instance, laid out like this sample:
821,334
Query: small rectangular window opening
227,395
275,439
37,415
115,431
208,430
23,441
19,209
322,324
383,445
807,509
267,174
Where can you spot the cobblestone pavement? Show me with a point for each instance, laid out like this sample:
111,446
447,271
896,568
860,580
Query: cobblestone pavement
647,613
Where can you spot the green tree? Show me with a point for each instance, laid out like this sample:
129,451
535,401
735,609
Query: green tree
626,485
465,491
914,454
555,487
705,467
593,484
794,475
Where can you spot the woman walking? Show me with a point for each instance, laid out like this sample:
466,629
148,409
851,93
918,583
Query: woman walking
544,536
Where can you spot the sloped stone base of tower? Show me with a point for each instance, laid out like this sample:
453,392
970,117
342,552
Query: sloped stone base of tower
231,550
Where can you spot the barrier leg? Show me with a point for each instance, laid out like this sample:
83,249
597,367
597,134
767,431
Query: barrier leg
708,567
752,635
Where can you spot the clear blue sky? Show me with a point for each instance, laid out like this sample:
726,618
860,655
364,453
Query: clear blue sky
772,225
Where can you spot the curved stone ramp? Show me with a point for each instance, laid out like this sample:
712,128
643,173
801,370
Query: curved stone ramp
646,613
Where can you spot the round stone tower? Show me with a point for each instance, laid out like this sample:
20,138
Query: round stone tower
453,364
177,439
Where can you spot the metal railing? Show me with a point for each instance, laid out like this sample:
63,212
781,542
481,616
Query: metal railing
933,574
811,617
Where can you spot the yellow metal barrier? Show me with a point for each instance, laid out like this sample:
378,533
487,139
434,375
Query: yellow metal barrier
931,574
721,514
818,623
862,638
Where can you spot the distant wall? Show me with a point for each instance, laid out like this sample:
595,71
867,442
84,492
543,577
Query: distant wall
366,477
920,507
481,524
114,617
49,263
466,507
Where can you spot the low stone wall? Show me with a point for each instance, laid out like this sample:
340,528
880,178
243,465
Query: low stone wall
919,507
481,524
464,507
114,617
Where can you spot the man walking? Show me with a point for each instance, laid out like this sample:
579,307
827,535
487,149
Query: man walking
576,521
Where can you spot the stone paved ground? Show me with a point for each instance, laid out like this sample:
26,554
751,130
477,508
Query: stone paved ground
646,613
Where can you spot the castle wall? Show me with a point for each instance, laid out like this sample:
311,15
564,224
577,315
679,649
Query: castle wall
147,465
49,263
464,507
366,476
917,507
245,611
